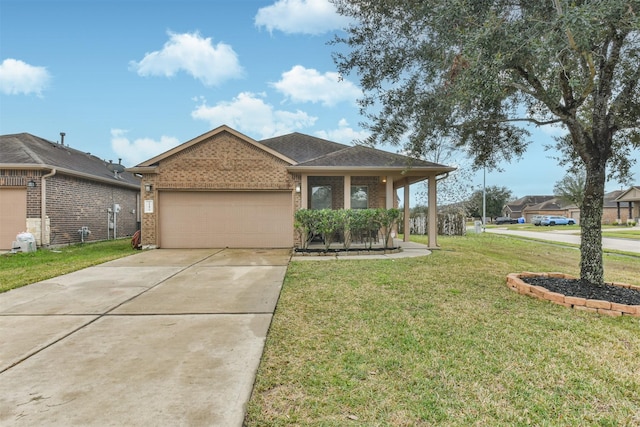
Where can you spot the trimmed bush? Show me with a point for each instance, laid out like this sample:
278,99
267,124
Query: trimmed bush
363,224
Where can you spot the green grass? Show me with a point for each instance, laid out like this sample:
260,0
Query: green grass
624,234
21,269
441,340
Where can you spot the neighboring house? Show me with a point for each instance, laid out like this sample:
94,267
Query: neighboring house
224,189
552,206
618,206
515,209
627,205
70,189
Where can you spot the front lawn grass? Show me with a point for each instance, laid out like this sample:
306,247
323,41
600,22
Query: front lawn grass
21,269
441,340
624,234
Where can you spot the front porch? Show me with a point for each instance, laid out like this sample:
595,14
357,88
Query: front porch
363,191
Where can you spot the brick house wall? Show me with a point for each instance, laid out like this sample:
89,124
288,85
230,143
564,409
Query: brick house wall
610,215
75,202
222,162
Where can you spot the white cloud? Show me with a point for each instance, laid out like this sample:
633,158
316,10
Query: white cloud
300,16
302,84
249,114
193,54
553,130
18,77
141,149
344,134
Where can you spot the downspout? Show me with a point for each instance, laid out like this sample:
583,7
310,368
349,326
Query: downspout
441,177
43,205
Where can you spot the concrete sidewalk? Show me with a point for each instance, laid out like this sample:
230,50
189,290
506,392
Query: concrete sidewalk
562,236
163,337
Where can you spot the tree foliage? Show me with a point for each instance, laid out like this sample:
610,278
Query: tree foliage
495,199
571,188
475,71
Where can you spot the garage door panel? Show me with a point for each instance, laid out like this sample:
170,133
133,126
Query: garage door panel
13,215
225,219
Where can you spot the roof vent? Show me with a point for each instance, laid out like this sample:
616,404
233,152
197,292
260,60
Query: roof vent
116,168
62,134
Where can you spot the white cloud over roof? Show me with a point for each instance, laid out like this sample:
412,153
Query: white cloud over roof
302,84
300,16
193,54
344,134
251,115
18,77
140,149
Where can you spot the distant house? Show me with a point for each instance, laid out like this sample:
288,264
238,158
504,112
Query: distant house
627,205
69,189
611,211
552,206
516,208
618,206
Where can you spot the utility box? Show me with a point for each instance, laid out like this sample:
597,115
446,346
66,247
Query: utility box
478,227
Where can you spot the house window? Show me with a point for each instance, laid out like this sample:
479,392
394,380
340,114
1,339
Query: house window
359,197
321,197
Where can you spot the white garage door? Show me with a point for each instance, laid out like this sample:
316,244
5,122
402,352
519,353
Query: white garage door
225,219
13,215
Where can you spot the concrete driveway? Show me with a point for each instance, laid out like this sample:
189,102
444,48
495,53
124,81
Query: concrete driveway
163,337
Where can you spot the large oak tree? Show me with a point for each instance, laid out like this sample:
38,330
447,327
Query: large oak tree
475,71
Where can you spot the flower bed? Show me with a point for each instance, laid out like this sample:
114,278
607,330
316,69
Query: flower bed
515,282
343,252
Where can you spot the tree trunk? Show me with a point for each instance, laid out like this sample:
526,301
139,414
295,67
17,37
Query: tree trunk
591,268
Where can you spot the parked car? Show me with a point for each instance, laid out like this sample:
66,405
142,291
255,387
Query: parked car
557,220
535,220
505,220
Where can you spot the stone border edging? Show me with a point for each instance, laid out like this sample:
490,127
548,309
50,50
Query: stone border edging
516,284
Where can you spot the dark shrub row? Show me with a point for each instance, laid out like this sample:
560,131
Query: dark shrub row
346,223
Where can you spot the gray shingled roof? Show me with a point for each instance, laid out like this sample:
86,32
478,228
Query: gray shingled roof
361,156
610,199
301,147
317,152
29,150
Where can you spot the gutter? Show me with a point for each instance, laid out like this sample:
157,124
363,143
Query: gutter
43,205
69,172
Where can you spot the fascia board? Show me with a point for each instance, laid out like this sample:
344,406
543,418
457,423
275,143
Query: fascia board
69,172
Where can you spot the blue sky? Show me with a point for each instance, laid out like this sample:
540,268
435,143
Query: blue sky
131,79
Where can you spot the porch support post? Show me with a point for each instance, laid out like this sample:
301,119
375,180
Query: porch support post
347,191
389,193
405,238
432,241
304,191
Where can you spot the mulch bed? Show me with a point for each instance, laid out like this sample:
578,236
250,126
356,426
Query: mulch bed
582,289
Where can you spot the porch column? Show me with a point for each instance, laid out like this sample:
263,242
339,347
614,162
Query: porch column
304,191
347,191
390,200
432,241
405,238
